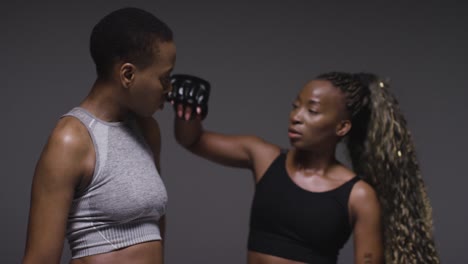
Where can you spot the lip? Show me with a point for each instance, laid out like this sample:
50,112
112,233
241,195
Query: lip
293,133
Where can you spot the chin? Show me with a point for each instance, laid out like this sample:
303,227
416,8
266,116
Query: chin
298,145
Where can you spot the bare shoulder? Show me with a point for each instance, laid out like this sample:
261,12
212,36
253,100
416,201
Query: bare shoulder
66,156
362,191
71,135
69,143
363,199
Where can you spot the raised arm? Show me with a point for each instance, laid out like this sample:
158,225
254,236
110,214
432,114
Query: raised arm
249,152
366,212
238,151
58,174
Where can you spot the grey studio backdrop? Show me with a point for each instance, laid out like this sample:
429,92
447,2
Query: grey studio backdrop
257,55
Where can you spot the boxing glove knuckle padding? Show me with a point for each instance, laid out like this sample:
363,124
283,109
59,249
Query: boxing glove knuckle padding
190,91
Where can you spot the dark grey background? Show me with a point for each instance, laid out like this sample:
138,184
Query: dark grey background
257,57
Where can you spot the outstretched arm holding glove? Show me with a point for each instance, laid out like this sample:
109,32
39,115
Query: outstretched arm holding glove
189,98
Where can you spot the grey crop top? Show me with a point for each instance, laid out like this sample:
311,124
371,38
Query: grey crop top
126,197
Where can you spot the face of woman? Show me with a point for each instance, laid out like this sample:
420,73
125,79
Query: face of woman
317,116
151,85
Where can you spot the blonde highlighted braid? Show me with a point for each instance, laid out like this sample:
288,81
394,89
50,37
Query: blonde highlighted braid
382,153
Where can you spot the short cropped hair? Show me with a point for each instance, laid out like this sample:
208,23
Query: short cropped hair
128,34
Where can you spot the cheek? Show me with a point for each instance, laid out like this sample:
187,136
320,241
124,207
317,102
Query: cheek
151,89
145,93
156,87
320,127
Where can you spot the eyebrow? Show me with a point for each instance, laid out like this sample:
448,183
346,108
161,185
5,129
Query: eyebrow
310,101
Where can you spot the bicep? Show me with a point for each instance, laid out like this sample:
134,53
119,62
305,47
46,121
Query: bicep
368,243
230,150
56,176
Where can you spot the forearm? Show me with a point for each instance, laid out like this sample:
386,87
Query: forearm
30,258
187,133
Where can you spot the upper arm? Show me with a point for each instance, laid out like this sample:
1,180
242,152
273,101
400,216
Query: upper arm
57,174
231,150
366,213
236,150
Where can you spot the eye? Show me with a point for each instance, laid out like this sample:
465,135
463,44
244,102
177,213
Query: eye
294,106
312,111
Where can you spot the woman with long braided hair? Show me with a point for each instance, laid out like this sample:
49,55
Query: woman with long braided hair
307,203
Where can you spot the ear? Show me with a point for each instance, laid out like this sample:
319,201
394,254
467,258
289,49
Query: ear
127,74
343,128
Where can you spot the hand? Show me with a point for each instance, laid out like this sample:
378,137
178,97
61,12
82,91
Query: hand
189,96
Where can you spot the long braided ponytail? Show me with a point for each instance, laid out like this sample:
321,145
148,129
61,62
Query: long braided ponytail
382,152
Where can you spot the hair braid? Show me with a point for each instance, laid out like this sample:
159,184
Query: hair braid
383,154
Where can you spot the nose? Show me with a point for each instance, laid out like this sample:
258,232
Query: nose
295,116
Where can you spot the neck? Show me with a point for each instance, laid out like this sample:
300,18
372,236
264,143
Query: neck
316,162
104,102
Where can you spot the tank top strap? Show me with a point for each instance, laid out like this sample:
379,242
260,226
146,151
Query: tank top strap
81,115
344,191
354,180
276,166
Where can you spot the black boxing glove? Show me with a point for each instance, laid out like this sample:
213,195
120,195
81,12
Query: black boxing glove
190,91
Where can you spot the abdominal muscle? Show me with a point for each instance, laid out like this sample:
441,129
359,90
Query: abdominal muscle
260,258
143,253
